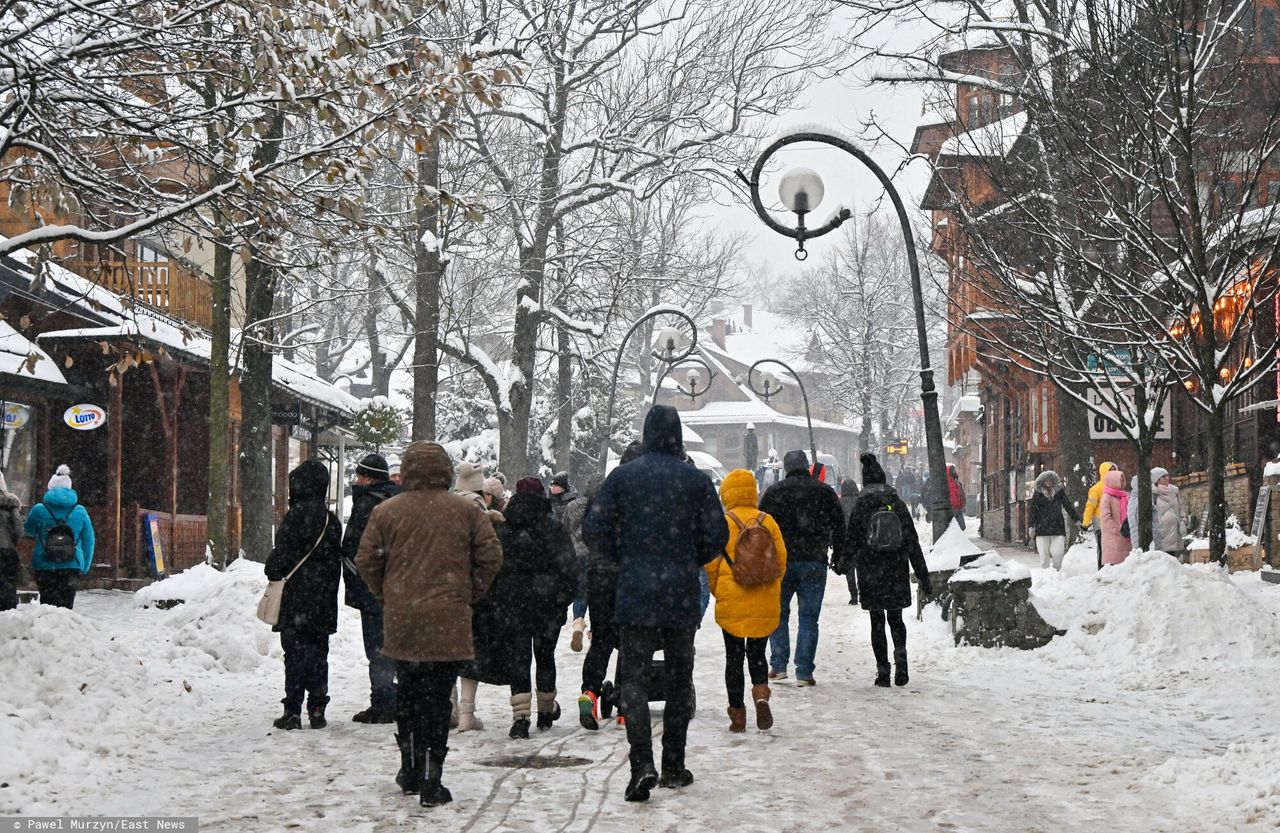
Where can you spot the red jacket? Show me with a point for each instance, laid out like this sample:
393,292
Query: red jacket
957,492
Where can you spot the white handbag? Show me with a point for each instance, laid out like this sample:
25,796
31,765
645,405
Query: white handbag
269,604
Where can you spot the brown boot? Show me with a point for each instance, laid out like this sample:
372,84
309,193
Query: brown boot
764,716
737,719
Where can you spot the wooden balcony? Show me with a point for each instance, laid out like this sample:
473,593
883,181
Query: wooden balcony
163,285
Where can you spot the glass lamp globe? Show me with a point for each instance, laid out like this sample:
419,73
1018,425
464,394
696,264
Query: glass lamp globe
668,340
801,190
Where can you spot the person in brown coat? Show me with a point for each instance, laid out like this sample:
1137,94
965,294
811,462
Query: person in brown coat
427,555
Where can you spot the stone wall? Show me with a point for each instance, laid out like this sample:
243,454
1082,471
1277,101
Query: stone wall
1194,493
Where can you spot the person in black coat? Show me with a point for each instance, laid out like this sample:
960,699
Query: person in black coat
812,523
848,499
660,519
373,485
538,579
884,586
308,545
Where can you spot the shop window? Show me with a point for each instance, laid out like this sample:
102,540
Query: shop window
20,460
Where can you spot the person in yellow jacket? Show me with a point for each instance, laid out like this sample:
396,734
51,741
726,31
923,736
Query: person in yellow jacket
746,615
1091,507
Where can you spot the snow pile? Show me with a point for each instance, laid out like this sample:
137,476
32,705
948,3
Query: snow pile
1243,784
1082,558
991,567
72,701
217,625
947,550
482,449
1151,617
1236,537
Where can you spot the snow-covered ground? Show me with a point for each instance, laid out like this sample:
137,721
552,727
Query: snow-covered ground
1154,713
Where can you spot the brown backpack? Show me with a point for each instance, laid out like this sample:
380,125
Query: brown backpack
757,558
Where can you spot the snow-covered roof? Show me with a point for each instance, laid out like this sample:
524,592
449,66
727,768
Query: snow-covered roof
770,336
994,140
718,413
19,357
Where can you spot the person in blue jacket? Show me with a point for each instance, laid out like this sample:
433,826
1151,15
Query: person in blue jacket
56,580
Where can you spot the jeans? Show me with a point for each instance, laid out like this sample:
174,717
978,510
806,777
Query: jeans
635,661
736,649
604,636
422,700
530,646
382,670
306,669
958,514
880,645
57,587
806,580
1052,548
581,601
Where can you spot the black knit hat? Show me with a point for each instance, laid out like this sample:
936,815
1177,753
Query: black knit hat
373,466
795,461
561,479
871,470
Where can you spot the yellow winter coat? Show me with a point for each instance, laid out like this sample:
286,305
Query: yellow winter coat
742,611
1095,495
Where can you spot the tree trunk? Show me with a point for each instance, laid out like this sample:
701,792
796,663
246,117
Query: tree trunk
428,275
219,404
564,399
256,448
514,455
1217,465
1073,441
1142,536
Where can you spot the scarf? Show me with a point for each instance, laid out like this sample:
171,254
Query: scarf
1120,495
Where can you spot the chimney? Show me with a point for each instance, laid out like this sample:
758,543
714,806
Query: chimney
746,316
718,331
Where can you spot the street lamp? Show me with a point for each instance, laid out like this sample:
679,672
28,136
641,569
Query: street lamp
693,378
801,191
773,387
669,348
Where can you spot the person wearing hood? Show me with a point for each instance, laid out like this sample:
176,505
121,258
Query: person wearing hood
427,556
563,502
848,499
1131,513
10,532
60,558
538,579
955,495
372,486
491,661
495,494
882,555
307,556
812,523
1047,519
1113,512
1166,527
1091,507
748,616
660,520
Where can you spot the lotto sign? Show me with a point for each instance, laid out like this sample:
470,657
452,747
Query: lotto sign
16,416
85,417
1104,425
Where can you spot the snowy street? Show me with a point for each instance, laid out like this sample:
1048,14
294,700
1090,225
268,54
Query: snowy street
1124,728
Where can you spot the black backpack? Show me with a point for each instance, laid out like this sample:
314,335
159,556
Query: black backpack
884,530
59,541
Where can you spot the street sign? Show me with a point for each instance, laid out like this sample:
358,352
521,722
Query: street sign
291,415
897,447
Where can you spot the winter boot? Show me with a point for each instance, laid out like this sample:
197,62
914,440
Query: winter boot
521,705
900,676
764,716
589,710
882,675
737,719
315,712
288,721
674,775
467,720
413,760
579,628
374,715
548,710
643,779
433,792
609,700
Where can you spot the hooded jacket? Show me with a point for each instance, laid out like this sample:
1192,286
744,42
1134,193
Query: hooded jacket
1095,495
809,514
10,532
747,612
427,555
1166,526
659,518
882,577
539,575
63,503
310,600
363,498
1045,514
1112,513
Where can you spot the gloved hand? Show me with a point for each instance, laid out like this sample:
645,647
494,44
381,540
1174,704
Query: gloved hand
926,586
840,567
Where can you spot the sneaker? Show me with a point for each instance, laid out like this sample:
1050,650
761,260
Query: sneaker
621,722
589,710
777,675
288,721
805,682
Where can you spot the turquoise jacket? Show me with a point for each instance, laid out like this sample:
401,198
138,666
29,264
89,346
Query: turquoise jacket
65,503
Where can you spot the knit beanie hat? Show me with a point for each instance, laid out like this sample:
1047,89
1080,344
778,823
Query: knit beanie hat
373,466
795,461
493,486
561,479
470,478
872,472
530,486
62,478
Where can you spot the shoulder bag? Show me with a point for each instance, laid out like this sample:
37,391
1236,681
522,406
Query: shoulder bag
269,604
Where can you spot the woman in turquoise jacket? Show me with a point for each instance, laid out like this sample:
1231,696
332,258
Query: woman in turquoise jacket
61,504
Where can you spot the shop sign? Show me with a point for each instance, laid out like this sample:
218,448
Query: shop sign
16,416
85,417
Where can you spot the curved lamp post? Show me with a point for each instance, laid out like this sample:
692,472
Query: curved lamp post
668,348
801,190
772,387
694,377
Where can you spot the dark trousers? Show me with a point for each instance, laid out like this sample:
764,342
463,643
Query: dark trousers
57,587
536,645
10,578
382,669
604,638
306,669
422,700
736,649
1097,542
880,646
635,660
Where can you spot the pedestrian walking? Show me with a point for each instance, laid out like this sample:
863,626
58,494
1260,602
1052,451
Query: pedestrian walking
812,523
10,532
372,486
955,492
750,448
1047,519
1131,513
538,579
884,548
564,499
427,555
308,556
64,541
909,488
747,613
1167,531
848,499
491,663
1090,518
660,520
1113,511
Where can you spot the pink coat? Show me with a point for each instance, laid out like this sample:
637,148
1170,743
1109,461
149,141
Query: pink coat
1111,516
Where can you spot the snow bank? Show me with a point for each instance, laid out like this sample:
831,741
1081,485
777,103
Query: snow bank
1150,617
1082,558
1243,784
946,551
991,567
65,683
